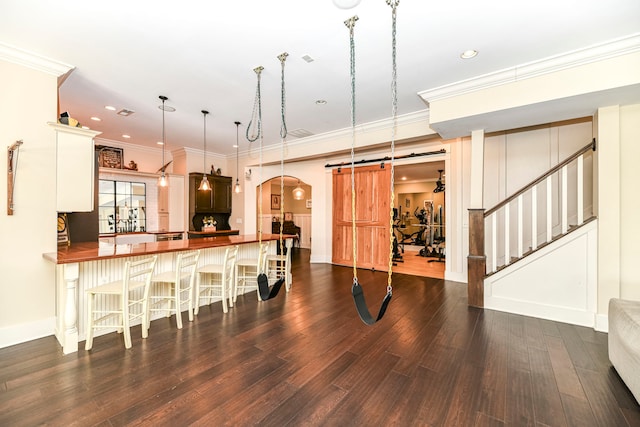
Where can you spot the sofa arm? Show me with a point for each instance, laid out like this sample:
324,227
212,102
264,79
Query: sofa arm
624,341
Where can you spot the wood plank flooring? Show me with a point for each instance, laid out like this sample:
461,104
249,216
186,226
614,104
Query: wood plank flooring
306,359
416,265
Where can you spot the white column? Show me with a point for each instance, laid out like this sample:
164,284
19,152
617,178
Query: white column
476,181
70,327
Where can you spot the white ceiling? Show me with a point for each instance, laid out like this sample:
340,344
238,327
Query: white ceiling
201,55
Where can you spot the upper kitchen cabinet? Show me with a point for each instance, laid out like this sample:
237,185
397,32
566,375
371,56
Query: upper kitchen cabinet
216,200
75,168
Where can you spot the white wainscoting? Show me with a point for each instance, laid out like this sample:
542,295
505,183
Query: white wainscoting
304,222
559,282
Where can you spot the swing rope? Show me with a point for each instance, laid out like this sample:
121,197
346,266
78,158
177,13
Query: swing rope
254,132
267,293
356,289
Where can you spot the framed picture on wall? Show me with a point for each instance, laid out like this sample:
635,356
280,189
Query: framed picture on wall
109,157
63,229
308,203
275,201
288,216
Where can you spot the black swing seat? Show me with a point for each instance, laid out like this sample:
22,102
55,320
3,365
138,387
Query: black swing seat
265,292
361,305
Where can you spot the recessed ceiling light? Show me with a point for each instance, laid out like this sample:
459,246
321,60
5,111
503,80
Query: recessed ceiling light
404,178
96,119
346,4
235,145
468,54
110,108
321,102
124,135
160,143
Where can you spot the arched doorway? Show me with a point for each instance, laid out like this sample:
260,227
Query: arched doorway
294,204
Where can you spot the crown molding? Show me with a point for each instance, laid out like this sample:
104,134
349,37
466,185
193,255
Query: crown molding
420,116
31,60
591,54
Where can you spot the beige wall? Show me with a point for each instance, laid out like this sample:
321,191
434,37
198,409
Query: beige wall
28,102
629,202
618,133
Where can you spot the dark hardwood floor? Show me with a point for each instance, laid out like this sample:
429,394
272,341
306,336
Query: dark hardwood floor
306,359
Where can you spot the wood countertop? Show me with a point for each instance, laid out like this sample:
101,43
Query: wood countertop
93,251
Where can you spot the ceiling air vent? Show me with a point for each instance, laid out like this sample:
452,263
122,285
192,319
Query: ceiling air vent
125,112
299,133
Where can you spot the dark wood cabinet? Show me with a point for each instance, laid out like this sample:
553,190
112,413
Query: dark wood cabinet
217,200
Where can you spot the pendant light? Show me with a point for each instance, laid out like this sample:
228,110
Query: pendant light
298,192
163,181
204,184
237,188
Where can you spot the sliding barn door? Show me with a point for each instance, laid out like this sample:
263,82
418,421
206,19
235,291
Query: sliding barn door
372,216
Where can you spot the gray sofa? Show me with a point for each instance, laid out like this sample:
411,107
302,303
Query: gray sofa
624,341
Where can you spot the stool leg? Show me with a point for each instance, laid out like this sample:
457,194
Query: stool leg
196,295
190,302
177,304
89,342
125,322
223,294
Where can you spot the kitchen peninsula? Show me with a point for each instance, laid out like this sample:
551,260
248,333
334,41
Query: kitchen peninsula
84,265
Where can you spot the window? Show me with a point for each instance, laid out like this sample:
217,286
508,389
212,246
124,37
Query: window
122,206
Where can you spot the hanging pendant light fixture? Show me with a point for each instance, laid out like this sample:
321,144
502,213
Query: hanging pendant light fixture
298,192
163,181
237,188
204,184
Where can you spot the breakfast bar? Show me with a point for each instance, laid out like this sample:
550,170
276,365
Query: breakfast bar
81,266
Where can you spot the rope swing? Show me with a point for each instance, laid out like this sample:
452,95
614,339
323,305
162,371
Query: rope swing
254,132
356,289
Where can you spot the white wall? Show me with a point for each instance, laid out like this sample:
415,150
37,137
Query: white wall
27,284
618,132
630,202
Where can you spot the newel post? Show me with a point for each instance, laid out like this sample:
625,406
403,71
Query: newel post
477,260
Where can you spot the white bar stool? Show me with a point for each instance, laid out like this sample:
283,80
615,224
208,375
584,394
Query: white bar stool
221,277
177,282
247,270
121,296
280,265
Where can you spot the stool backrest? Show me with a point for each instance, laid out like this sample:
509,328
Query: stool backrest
186,264
230,257
262,257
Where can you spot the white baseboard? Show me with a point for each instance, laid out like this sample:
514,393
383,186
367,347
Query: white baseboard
548,312
320,259
455,276
602,323
17,334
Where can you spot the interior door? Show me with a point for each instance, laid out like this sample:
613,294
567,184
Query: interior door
372,188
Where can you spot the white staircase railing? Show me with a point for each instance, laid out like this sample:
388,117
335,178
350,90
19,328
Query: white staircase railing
542,211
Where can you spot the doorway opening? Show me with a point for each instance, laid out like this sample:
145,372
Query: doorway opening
297,209
420,219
